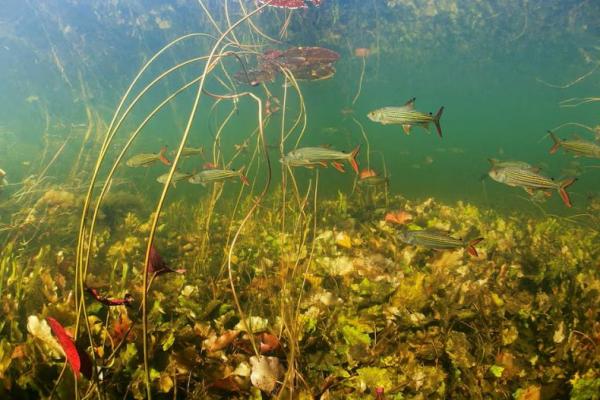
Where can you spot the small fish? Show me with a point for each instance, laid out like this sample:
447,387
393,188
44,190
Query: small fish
313,156
438,240
531,181
578,147
216,175
498,164
407,116
191,151
177,177
147,159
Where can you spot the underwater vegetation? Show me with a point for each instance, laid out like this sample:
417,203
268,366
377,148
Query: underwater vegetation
372,313
182,262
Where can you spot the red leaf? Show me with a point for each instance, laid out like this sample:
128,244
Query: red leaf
67,345
158,266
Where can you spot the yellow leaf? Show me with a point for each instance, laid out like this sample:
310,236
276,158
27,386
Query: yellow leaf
165,383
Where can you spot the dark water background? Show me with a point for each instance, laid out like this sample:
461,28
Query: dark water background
483,61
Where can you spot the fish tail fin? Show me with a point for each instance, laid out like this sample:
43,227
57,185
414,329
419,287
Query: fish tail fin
436,120
471,246
563,192
556,144
161,156
243,178
352,159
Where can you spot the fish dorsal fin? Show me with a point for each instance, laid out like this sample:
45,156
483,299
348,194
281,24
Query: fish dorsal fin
325,146
576,136
439,231
410,104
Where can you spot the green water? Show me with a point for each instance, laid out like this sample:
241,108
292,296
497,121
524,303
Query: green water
483,62
354,309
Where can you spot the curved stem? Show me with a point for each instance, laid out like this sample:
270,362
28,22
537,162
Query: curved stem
360,82
166,188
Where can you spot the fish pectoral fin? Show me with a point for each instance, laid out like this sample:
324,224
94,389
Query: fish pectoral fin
406,128
322,164
529,191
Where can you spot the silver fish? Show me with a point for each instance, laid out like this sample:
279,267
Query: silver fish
177,177
147,159
531,181
407,116
216,175
512,164
435,239
190,151
313,156
578,147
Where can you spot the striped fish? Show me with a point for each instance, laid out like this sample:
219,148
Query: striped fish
145,159
191,151
313,156
511,163
531,181
177,177
439,240
217,175
407,116
578,147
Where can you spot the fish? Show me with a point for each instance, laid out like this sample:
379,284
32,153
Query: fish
177,177
531,181
578,147
313,156
407,116
216,175
147,159
439,240
498,164
190,151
